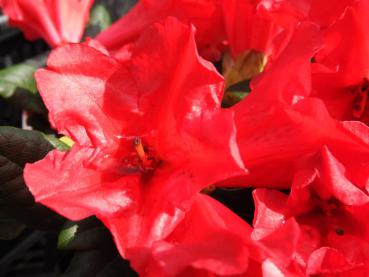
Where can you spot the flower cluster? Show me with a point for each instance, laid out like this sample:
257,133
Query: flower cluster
143,104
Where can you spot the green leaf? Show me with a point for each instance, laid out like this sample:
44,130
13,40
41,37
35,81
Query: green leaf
17,84
117,8
17,76
66,235
18,147
57,143
99,20
83,235
236,93
100,17
25,100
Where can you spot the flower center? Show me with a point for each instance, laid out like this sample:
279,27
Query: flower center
141,159
330,207
361,98
146,159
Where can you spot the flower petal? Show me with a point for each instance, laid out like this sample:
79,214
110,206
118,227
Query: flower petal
56,21
72,87
198,248
70,183
204,15
181,94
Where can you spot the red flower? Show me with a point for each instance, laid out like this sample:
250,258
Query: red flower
257,32
205,15
209,240
324,223
264,26
146,131
280,127
325,13
56,21
341,74
261,29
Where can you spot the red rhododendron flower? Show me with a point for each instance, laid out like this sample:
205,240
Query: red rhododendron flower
280,127
263,29
325,13
209,241
312,231
264,26
287,136
56,21
257,32
205,15
146,135
341,74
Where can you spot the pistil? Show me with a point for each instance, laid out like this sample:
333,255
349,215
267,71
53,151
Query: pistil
141,152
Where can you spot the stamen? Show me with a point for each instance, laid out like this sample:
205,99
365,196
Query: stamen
208,189
361,99
340,231
141,152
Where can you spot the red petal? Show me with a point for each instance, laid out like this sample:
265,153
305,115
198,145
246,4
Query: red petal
327,12
346,51
72,87
269,25
347,45
72,184
172,99
56,21
355,249
281,245
200,247
269,212
277,125
328,260
204,15
291,71
271,270
333,176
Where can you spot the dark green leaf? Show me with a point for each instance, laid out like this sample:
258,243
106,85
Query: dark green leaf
99,262
9,227
18,147
25,100
97,255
